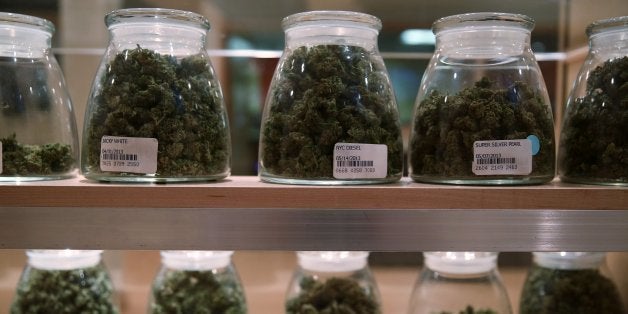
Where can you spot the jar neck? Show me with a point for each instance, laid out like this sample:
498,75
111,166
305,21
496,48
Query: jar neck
614,42
483,42
316,34
24,42
569,260
63,259
332,261
196,260
162,38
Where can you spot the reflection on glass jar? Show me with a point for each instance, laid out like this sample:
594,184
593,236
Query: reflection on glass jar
333,282
482,114
197,282
569,282
64,281
594,142
156,111
38,137
459,282
330,115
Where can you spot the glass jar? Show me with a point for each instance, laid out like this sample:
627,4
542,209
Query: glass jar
482,114
64,281
330,116
569,282
332,282
156,111
594,141
197,282
38,136
459,282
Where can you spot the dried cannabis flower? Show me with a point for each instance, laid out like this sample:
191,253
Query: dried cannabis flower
594,143
86,290
24,160
145,94
197,292
333,296
324,95
446,126
582,291
470,310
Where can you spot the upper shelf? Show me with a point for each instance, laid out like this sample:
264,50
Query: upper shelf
241,213
249,192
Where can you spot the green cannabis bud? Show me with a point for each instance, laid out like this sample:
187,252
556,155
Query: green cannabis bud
86,290
323,95
581,291
25,160
446,126
470,310
332,296
148,95
594,141
197,292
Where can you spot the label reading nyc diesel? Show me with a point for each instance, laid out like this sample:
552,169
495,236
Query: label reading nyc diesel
360,161
505,157
128,154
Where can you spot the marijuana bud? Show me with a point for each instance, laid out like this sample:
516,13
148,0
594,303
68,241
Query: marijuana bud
332,296
572,291
447,126
84,290
143,94
188,291
594,141
33,160
323,95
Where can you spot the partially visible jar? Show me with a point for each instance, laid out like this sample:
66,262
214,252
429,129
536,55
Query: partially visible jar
38,136
64,281
569,283
197,282
459,282
156,111
482,114
333,282
330,116
593,147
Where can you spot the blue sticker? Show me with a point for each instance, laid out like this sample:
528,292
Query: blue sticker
536,146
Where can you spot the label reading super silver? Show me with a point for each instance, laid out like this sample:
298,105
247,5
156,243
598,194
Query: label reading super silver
504,157
360,161
128,154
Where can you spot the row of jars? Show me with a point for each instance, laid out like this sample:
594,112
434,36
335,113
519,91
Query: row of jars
156,110
72,281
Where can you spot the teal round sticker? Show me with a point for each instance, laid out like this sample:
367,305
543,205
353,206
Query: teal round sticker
536,146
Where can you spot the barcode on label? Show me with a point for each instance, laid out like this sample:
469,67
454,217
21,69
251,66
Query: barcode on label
496,161
354,163
121,157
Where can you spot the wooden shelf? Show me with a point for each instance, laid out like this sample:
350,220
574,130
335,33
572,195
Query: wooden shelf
242,213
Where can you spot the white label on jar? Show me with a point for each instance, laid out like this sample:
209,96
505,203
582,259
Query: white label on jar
505,157
128,154
360,161
0,157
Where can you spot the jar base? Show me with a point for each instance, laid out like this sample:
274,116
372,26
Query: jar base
36,177
502,180
112,178
593,181
325,181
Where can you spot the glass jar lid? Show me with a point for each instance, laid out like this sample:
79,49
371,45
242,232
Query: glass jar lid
569,260
332,18
196,260
483,20
461,263
332,261
63,259
156,15
613,24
